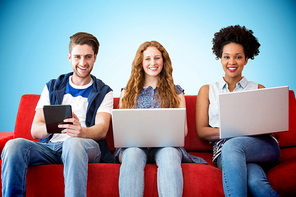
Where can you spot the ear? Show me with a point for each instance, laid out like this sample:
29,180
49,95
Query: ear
246,60
69,57
95,57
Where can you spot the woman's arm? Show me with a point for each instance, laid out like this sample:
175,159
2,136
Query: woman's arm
260,86
121,96
204,131
183,105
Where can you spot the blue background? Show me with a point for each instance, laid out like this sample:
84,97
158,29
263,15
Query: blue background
34,39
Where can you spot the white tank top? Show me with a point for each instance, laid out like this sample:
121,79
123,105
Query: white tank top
214,90
222,87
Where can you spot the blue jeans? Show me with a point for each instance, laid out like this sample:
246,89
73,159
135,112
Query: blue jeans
169,173
75,153
239,161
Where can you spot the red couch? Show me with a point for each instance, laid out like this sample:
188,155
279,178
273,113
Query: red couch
199,179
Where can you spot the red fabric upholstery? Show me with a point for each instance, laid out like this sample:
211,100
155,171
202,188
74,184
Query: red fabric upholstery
199,180
25,115
288,153
202,180
283,177
109,136
287,139
4,137
192,142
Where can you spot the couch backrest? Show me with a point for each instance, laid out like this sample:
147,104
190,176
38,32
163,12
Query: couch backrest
288,139
192,141
109,137
25,115
28,102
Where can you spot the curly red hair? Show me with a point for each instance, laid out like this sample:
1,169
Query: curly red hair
166,90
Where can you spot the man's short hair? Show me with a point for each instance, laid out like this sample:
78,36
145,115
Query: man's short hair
82,38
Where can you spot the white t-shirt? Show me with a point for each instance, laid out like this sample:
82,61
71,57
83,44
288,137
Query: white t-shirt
77,97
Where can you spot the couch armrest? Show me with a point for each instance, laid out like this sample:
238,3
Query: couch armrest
4,137
282,177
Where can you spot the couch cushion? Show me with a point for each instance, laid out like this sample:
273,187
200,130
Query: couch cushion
282,177
202,180
103,180
206,156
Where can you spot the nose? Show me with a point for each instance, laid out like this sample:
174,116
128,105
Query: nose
82,61
232,61
152,61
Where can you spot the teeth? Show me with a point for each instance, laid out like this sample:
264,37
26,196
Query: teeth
231,68
154,68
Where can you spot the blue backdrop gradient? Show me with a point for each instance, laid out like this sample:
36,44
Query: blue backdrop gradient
34,39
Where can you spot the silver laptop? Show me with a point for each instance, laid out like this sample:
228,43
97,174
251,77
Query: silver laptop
159,127
254,112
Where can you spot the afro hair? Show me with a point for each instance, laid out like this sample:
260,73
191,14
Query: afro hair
239,35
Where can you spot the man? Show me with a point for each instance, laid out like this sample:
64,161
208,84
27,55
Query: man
78,144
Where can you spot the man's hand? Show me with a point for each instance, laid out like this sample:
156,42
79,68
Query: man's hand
73,130
95,132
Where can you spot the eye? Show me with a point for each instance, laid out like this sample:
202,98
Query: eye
76,56
226,57
238,57
88,57
147,58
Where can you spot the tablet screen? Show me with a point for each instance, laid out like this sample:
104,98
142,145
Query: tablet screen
55,115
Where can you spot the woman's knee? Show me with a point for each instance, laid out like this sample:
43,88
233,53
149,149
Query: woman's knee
168,152
232,151
168,156
233,144
133,155
133,152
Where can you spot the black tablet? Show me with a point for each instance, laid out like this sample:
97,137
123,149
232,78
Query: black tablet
55,115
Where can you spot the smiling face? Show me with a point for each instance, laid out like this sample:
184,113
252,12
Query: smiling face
82,59
152,62
233,61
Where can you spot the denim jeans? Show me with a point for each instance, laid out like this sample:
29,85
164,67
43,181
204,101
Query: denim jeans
239,160
169,173
75,153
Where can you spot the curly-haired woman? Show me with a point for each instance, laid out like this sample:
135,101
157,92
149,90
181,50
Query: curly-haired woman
239,157
151,85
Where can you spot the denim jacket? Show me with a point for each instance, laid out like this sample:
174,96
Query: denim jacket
56,88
